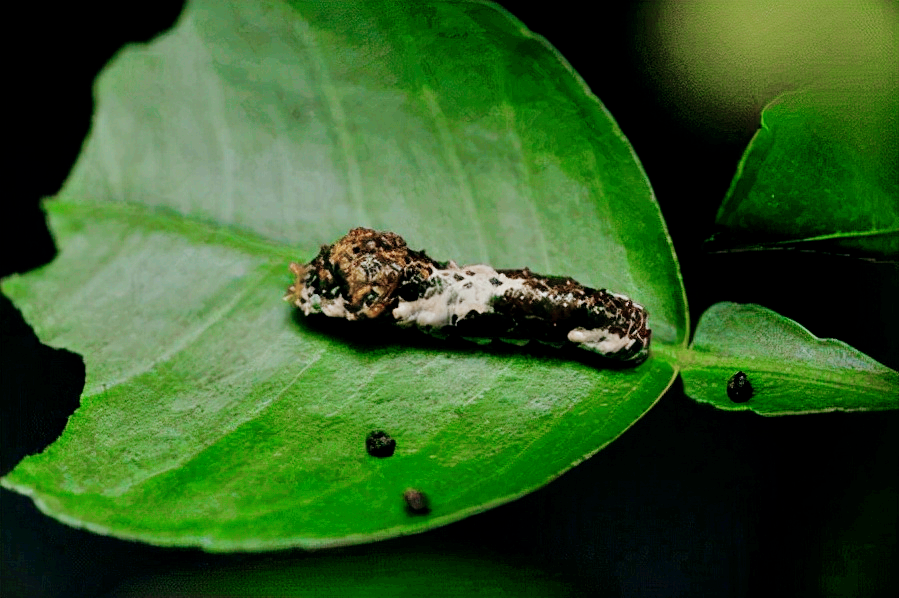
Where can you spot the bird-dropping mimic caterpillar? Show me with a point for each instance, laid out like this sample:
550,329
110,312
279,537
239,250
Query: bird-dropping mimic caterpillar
370,275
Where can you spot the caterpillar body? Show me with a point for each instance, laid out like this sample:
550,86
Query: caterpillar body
371,275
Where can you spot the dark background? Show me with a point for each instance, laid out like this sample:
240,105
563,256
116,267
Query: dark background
690,501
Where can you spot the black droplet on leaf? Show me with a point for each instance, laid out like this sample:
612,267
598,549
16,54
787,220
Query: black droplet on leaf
416,502
378,443
739,390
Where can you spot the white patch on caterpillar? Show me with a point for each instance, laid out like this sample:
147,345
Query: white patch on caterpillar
455,293
600,340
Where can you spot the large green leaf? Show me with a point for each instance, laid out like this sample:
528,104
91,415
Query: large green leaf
823,172
791,371
212,414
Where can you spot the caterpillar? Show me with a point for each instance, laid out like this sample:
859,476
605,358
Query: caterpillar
371,275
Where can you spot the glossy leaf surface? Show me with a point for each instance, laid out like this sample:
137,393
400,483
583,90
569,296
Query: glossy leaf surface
791,371
822,173
252,133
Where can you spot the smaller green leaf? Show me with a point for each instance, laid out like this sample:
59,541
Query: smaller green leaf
791,370
823,171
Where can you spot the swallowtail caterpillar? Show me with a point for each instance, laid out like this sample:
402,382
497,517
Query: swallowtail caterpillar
371,275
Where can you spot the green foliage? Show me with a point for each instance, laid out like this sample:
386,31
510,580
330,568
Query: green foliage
791,371
823,170
214,415
445,574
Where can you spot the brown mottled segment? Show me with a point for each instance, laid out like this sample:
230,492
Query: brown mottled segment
369,274
366,268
